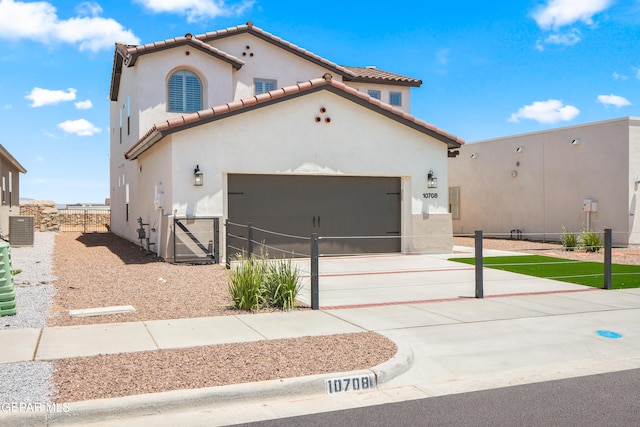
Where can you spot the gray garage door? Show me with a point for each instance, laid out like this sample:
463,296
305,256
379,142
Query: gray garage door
332,206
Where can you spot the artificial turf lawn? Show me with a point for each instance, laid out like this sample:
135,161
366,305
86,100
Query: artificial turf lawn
581,272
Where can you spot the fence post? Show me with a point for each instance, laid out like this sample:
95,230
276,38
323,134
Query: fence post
315,303
250,238
607,258
216,240
479,266
227,252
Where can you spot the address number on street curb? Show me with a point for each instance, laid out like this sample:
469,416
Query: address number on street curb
340,385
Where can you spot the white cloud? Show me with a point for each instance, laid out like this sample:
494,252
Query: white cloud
615,100
196,10
567,39
84,105
80,127
550,111
560,13
618,76
442,56
40,97
38,21
8,106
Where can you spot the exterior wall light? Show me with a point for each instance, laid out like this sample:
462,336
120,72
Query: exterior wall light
520,149
432,181
198,177
575,141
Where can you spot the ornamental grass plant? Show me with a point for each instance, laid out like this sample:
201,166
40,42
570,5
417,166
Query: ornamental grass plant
257,282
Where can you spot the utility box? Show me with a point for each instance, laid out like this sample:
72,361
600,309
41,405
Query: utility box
21,230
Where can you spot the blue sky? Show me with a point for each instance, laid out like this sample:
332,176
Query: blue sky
489,69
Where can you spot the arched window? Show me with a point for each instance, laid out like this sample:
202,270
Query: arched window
185,92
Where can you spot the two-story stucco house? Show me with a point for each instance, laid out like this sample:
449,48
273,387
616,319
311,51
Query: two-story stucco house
242,126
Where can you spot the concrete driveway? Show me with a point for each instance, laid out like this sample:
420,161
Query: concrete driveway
397,278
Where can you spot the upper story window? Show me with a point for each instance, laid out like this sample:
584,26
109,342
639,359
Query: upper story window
395,98
264,86
374,94
185,92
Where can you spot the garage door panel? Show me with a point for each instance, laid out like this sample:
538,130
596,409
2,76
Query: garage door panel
328,205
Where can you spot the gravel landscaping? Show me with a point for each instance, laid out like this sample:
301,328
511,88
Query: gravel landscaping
79,271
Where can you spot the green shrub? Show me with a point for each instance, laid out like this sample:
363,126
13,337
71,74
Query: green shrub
246,283
569,240
258,282
282,284
590,241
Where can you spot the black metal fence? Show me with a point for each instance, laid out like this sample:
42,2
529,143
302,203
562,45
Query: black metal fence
84,220
243,239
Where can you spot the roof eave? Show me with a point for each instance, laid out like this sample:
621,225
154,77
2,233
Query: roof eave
153,136
12,161
410,83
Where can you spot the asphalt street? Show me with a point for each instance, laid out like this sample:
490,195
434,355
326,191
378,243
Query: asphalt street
602,400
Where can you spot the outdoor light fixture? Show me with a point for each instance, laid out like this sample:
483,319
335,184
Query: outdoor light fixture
474,156
576,141
520,149
198,178
432,181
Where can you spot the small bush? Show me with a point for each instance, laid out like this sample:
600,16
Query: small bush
590,241
282,284
258,282
569,240
246,283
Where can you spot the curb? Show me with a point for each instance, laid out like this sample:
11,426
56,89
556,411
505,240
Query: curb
103,410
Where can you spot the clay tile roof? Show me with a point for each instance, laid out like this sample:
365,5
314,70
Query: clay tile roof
373,75
323,83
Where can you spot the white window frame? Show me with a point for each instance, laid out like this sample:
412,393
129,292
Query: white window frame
391,96
182,92
375,94
264,85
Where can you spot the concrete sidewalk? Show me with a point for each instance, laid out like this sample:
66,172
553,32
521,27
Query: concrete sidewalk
89,340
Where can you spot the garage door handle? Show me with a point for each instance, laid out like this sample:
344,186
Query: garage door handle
314,222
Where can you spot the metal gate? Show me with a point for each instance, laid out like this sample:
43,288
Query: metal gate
196,240
85,220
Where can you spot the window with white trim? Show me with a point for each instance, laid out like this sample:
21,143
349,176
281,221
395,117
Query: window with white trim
185,92
374,94
395,98
264,85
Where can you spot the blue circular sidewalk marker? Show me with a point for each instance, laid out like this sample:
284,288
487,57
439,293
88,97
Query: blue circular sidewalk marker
608,334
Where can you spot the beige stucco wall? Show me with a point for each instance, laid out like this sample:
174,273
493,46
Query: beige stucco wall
264,60
285,138
541,189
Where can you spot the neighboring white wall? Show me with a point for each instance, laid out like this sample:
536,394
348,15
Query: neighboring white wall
285,138
542,188
634,181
